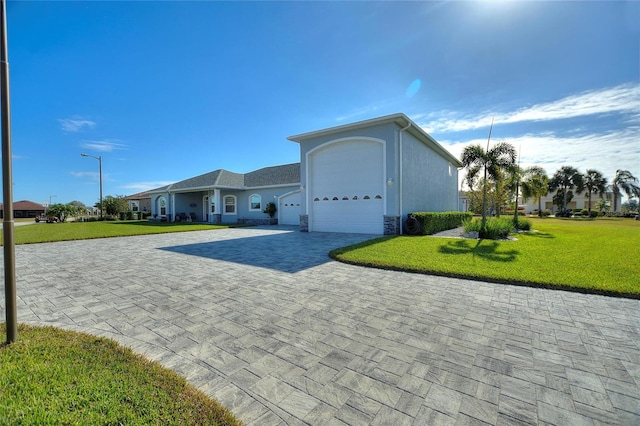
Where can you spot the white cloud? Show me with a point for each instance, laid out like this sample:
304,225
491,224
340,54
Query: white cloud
71,125
622,99
605,152
135,187
102,146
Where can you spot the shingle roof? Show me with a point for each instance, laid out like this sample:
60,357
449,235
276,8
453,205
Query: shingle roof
25,205
277,175
267,176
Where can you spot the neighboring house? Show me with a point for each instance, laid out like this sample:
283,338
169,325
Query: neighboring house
140,202
579,201
22,209
364,177
226,197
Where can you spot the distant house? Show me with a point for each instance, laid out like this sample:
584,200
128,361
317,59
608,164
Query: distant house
363,177
24,209
579,202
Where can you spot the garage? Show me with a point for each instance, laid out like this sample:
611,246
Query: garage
346,191
289,209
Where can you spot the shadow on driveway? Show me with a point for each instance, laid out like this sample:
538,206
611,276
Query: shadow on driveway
285,251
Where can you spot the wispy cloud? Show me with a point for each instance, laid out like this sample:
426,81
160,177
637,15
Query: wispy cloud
605,152
102,146
71,125
135,187
622,99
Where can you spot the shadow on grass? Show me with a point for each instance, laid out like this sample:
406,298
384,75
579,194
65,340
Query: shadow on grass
537,234
485,249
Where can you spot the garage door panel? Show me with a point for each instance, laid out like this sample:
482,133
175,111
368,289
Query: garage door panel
347,181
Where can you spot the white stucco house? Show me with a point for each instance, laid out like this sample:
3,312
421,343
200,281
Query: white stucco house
363,177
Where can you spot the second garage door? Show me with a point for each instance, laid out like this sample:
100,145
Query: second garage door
346,183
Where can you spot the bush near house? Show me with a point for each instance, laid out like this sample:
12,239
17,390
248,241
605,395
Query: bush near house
433,222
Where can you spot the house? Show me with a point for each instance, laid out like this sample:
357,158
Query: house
579,202
222,196
24,209
363,177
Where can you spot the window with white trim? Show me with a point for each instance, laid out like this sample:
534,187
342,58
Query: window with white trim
230,204
255,202
163,206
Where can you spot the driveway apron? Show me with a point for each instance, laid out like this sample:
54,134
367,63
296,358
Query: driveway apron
263,321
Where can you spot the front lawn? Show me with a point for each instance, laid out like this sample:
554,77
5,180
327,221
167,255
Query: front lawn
57,377
599,256
50,232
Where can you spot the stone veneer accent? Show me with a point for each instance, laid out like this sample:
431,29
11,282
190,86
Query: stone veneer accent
391,225
304,223
216,218
261,221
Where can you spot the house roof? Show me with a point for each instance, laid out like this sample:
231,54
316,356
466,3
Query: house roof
399,119
25,205
287,174
138,196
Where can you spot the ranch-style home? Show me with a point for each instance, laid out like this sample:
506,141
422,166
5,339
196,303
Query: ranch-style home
363,177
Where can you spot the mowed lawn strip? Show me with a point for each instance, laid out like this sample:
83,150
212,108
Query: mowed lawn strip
599,256
58,377
50,232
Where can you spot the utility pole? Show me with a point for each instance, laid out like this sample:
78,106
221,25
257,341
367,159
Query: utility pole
7,223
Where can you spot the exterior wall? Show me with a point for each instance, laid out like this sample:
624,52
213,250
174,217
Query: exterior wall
429,181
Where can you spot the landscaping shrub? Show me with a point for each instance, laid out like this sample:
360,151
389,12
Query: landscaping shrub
496,228
593,213
585,212
523,225
546,213
432,222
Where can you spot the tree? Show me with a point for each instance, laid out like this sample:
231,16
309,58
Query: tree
595,183
535,184
115,205
494,163
624,182
630,206
603,205
565,181
62,211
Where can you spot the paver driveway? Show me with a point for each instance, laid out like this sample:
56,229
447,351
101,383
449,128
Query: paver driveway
263,321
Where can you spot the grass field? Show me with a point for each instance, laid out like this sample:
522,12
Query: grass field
599,256
57,377
49,232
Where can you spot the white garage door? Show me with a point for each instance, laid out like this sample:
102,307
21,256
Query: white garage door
346,182
289,209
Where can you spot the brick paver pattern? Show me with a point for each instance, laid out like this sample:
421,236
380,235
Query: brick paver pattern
263,321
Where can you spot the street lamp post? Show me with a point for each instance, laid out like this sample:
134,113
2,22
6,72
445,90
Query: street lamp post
99,158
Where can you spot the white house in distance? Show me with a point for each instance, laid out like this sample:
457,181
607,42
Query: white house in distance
362,177
579,202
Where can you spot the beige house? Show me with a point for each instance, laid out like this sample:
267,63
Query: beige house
579,202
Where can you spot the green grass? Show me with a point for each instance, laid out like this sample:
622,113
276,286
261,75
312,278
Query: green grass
53,376
50,232
597,256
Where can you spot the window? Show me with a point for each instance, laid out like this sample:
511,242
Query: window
254,202
230,204
135,206
213,204
163,206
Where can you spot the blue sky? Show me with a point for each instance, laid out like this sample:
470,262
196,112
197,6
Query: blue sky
164,91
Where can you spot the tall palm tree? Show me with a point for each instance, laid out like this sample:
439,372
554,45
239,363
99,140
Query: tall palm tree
624,182
594,182
535,184
494,162
565,181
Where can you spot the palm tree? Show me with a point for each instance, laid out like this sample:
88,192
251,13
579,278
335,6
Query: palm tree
594,182
564,181
494,162
535,184
624,182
